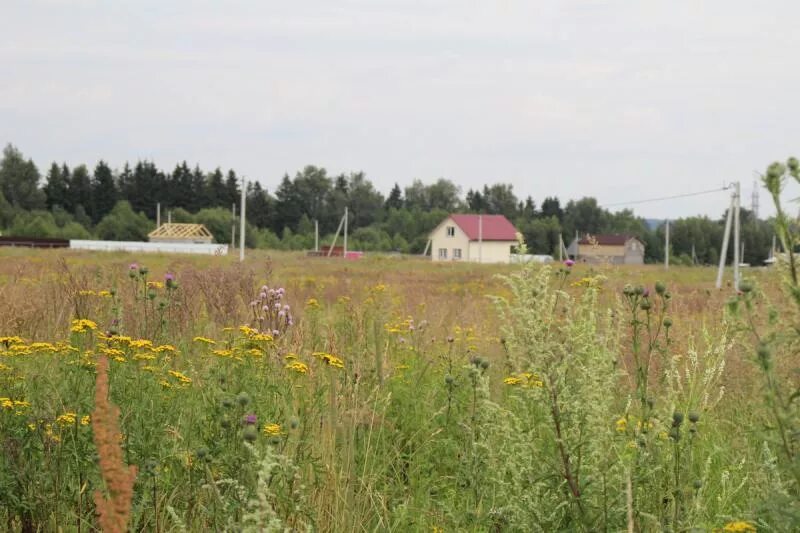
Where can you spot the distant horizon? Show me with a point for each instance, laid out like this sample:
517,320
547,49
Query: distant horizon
270,187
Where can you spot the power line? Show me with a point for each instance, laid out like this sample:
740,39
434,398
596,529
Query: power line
685,195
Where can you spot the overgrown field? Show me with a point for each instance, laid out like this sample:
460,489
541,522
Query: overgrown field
392,394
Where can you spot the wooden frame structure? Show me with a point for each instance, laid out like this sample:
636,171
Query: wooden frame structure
179,232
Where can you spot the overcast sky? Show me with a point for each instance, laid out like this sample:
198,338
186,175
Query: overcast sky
620,100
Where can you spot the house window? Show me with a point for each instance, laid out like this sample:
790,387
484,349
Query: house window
451,231
456,253
442,253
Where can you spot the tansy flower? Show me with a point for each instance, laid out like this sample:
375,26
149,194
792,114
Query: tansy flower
82,325
67,419
204,340
85,420
739,526
622,425
272,429
297,366
180,377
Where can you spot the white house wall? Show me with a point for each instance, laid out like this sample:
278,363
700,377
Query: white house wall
489,252
440,240
162,247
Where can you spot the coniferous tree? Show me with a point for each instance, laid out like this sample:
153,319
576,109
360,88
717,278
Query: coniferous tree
104,192
80,189
260,206
232,190
395,199
56,187
198,196
215,190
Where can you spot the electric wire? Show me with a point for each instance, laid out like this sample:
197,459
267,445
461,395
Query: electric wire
663,198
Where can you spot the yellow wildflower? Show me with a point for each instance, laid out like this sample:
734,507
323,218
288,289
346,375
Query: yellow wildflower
67,419
204,340
86,293
247,330
223,353
739,526
155,285
261,337
329,359
164,348
180,377
512,380
82,325
297,366
85,420
312,303
622,425
272,429
141,343
104,294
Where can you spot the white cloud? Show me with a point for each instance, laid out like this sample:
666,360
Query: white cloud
615,99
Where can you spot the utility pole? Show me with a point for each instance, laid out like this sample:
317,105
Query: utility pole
736,236
560,248
723,255
233,225
480,238
241,229
666,246
755,201
169,217
316,235
344,255
158,214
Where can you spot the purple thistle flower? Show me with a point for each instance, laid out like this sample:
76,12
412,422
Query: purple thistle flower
169,276
263,295
250,419
569,262
265,308
134,266
275,332
281,314
646,293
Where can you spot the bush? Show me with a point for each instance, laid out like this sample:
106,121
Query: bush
123,224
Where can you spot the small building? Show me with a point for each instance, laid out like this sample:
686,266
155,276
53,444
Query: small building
475,238
174,232
611,249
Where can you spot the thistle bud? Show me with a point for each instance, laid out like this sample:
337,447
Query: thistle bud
694,417
250,433
746,286
667,322
660,287
677,418
243,398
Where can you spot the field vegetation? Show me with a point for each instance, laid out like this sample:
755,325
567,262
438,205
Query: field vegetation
392,394
287,393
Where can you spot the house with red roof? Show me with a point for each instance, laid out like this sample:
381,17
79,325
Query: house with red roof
612,249
476,238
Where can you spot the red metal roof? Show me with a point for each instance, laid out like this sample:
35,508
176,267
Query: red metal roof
494,227
606,240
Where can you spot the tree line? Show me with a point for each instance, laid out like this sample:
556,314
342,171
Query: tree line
100,202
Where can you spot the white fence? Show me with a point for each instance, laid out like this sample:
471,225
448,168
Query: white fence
155,247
